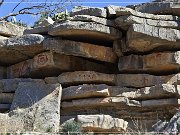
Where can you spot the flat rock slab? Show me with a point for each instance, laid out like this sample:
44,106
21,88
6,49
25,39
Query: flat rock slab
86,50
85,31
37,106
145,80
6,98
101,123
161,62
85,91
20,48
10,85
37,30
89,18
165,8
144,38
52,64
92,11
161,102
4,107
100,102
116,11
9,29
124,22
83,77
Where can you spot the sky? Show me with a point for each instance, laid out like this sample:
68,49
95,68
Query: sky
7,7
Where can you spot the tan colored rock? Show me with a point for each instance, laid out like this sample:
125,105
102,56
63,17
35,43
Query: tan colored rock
85,91
6,98
51,80
161,62
161,102
145,38
52,64
85,32
86,50
83,77
101,123
9,29
100,102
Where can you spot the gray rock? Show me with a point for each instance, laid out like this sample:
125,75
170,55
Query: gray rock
37,30
92,11
9,29
6,98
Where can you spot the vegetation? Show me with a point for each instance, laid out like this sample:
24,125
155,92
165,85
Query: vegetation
72,127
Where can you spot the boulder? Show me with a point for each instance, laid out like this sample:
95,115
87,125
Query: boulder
20,48
9,29
101,123
91,32
51,80
92,11
144,38
81,49
85,91
124,22
162,62
83,77
37,30
48,64
6,98
4,107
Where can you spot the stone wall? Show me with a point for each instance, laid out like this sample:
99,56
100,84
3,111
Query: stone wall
111,65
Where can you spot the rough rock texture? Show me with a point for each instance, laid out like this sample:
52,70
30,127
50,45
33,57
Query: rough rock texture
68,47
6,98
37,30
20,48
9,29
93,11
161,62
83,77
103,123
144,38
85,31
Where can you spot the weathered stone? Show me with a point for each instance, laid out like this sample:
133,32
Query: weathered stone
51,80
3,72
144,38
100,102
83,77
37,30
145,80
118,47
52,64
85,32
154,92
9,29
92,11
68,47
37,106
20,48
160,8
101,123
161,62
124,22
116,11
89,18
46,22
161,102
10,85
6,98
85,91
4,107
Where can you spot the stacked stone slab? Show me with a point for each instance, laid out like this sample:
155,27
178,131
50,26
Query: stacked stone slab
115,65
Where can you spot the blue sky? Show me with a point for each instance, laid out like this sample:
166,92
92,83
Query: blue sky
29,19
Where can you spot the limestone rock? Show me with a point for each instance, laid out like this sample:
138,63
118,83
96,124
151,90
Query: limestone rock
68,47
83,77
89,18
85,91
161,62
9,29
85,31
116,11
37,106
100,102
6,98
52,64
92,11
20,48
160,8
144,38
124,22
101,123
